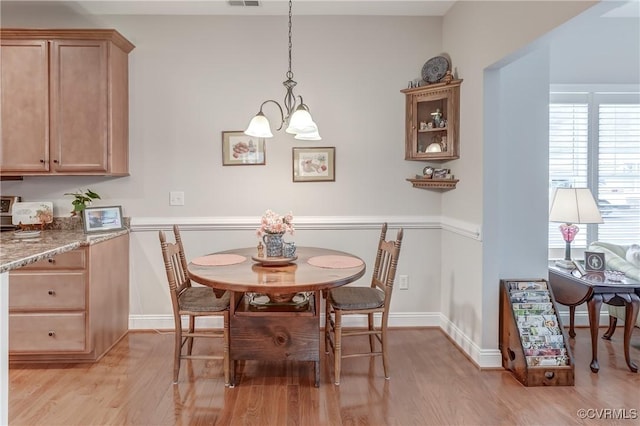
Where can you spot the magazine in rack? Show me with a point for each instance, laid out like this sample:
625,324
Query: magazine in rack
532,341
540,332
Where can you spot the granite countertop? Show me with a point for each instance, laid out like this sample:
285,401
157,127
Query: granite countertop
15,253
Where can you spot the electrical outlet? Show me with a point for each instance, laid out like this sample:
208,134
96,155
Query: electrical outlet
176,198
403,282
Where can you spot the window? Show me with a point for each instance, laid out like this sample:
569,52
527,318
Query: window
594,142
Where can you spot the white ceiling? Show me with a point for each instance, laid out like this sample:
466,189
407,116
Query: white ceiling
266,7
629,8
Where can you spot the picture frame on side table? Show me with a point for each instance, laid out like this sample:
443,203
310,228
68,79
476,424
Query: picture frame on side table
594,261
239,149
316,164
102,219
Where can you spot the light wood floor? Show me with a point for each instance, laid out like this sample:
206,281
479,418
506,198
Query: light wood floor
432,383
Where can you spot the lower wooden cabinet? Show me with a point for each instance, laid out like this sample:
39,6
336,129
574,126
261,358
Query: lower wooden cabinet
72,307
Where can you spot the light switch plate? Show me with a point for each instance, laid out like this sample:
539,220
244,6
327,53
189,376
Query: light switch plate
176,198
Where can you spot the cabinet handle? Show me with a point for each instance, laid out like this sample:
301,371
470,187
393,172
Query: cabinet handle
51,293
52,333
55,161
51,260
42,161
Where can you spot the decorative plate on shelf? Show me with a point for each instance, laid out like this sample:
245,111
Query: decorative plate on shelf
274,261
434,69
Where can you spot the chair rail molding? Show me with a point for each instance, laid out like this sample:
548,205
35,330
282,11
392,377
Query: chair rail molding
242,223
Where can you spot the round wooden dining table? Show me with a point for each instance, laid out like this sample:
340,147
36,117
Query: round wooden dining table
275,302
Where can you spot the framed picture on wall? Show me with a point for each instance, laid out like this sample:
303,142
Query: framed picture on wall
102,219
314,164
239,149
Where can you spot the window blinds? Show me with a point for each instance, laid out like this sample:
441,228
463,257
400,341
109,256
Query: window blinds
594,141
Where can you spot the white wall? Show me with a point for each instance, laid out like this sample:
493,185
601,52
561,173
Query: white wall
609,55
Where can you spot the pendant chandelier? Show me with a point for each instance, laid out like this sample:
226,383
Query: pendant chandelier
299,120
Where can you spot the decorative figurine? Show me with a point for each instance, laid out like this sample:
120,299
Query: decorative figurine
448,77
260,249
437,117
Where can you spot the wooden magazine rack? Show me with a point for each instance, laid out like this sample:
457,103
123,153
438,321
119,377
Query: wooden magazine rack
532,341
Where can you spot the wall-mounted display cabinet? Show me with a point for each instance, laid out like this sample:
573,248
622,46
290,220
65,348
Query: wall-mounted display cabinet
432,122
64,102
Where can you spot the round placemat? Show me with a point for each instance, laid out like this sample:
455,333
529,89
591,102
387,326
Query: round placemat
334,261
218,260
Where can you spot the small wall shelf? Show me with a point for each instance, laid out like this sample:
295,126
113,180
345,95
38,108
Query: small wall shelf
434,183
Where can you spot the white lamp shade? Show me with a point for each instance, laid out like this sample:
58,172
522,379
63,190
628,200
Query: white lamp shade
301,122
574,205
310,136
259,127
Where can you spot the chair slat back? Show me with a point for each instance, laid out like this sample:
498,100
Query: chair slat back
384,270
175,267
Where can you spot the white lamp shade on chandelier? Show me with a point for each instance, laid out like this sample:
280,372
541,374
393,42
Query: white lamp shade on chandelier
301,122
299,119
259,127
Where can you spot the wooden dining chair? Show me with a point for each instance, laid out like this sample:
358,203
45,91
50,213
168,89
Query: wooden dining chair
350,300
194,302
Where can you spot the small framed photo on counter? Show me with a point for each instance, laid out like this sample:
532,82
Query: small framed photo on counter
102,219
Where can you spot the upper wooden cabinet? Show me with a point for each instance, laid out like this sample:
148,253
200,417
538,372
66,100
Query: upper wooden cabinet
432,122
65,96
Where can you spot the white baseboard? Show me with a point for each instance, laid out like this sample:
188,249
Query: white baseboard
483,358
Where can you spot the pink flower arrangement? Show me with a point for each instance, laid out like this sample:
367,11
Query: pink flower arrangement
273,223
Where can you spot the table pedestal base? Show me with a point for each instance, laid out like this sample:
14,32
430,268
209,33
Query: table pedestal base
275,333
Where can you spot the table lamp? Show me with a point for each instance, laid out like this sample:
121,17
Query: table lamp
572,206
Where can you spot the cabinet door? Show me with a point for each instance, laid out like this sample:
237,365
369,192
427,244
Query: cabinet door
25,106
79,106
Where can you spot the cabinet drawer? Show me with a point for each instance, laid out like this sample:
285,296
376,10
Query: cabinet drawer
46,332
42,291
74,259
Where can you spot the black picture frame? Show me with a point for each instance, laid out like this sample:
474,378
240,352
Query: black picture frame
594,261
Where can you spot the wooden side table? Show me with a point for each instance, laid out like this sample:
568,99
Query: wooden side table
573,290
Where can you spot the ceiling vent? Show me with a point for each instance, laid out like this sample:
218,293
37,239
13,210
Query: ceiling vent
244,3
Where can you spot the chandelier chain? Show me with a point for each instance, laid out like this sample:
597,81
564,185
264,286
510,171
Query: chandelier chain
290,73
